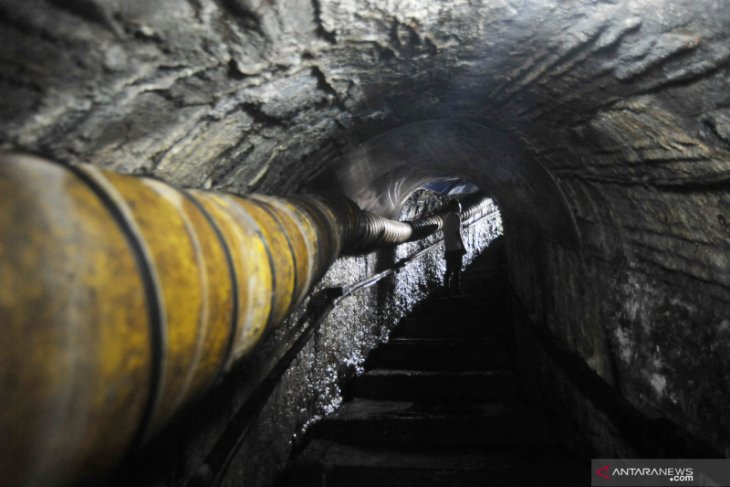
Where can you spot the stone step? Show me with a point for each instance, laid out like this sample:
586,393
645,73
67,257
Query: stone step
417,385
477,286
465,424
489,314
442,354
449,310
445,318
467,326
476,303
489,279
488,275
331,464
491,270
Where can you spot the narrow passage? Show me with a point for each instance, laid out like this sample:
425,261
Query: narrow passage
440,405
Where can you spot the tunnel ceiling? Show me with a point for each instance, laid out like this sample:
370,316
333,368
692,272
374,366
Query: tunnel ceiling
267,95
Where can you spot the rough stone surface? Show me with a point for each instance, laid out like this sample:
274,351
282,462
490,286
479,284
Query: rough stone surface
624,104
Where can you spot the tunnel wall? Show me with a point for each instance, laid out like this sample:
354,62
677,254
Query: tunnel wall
311,387
624,102
658,336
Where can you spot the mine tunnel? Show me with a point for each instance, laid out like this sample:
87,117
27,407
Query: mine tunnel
221,242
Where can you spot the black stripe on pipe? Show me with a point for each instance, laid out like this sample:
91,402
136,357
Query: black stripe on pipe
153,300
257,230
298,217
303,208
323,227
231,272
275,217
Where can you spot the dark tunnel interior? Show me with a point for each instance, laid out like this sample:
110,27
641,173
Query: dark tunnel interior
599,128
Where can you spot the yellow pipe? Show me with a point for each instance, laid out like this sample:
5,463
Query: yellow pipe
122,298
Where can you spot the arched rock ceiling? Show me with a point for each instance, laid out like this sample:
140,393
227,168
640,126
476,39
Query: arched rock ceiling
265,95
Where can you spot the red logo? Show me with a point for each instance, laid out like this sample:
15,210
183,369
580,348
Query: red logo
603,472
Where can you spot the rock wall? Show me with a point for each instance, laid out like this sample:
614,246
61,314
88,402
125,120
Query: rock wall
622,103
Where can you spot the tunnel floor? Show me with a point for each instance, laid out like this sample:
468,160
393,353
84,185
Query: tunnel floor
441,404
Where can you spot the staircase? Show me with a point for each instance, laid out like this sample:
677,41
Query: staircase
440,405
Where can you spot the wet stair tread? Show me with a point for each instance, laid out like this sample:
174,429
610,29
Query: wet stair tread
442,354
409,384
368,408
462,306
420,329
433,377
447,315
333,453
453,326
404,422
337,464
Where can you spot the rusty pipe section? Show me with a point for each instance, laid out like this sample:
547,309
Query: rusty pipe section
122,298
